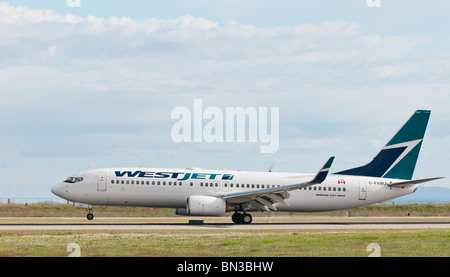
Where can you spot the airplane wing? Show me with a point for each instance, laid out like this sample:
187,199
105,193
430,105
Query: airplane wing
265,199
413,182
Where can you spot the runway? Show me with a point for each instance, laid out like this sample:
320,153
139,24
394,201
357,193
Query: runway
329,223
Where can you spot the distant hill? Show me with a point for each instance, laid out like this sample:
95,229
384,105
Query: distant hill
426,195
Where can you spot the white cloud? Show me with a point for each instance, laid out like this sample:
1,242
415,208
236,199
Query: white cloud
23,15
389,71
46,54
114,81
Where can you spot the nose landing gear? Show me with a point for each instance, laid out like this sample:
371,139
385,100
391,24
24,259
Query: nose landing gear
244,218
90,215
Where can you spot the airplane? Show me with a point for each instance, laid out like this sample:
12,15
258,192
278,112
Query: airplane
201,192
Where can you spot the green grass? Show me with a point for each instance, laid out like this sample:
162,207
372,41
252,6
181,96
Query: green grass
216,243
64,210
279,243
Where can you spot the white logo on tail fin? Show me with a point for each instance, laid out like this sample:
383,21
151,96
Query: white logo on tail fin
410,145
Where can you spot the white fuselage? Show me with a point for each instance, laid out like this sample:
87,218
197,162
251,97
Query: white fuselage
170,188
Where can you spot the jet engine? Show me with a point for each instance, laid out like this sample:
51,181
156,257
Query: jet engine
200,205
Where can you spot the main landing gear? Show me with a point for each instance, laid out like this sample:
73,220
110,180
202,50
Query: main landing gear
244,218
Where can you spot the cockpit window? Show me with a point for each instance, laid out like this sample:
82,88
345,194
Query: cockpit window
73,179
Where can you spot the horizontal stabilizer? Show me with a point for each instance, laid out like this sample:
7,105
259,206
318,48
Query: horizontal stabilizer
414,182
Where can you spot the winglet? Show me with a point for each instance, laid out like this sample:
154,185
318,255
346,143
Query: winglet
323,172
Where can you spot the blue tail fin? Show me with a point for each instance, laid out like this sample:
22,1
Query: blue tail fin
398,158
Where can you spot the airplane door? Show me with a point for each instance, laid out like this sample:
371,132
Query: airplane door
101,181
362,191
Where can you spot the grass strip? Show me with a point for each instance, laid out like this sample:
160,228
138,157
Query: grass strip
223,243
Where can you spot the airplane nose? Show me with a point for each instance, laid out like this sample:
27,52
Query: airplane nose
59,189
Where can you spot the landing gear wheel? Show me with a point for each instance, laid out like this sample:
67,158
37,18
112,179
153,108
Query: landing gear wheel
239,218
236,218
246,218
90,215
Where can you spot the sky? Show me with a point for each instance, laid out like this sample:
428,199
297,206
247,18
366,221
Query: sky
93,84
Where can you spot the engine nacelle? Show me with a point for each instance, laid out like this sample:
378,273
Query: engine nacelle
206,205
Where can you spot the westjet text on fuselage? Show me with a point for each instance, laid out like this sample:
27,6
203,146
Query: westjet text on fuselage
179,176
